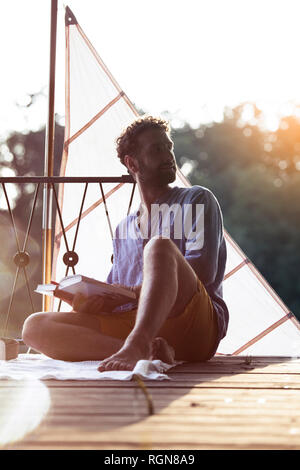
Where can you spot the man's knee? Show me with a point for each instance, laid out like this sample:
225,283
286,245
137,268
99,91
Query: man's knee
159,246
32,329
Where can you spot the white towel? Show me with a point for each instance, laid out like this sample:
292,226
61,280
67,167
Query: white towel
39,366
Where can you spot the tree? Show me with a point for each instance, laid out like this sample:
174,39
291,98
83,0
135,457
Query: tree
259,196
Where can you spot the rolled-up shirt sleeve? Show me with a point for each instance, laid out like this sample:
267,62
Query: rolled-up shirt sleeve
205,237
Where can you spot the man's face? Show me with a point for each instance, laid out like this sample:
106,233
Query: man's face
155,158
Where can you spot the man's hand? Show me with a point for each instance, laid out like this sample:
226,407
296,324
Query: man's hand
135,289
97,304
91,305
64,296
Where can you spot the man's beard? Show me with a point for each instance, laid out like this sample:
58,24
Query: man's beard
158,178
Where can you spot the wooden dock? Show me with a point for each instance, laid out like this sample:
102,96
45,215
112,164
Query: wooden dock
227,403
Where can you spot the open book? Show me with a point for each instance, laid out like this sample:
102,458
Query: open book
71,285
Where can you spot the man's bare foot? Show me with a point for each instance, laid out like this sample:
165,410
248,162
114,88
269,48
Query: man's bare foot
163,351
127,357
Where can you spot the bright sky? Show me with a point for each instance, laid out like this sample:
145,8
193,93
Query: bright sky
190,57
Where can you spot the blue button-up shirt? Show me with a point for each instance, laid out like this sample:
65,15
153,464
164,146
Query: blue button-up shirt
194,223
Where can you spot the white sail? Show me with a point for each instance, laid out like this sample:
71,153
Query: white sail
97,110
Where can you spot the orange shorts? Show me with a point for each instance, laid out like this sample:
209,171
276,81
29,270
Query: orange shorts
192,333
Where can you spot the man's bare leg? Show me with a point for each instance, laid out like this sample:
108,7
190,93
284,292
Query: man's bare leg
72,336
169,283
69,336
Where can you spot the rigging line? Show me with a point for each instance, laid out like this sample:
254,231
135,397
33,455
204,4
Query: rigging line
182,177
105,68
79,217
76,233
87,211
31,216
11,217
106,211
268,288
295,322
59,305
237,268
75,238
94,119
257,274
10,302
67,84
263,333
18,247
28,289
131,198
18,269
60,217
60,301
25,243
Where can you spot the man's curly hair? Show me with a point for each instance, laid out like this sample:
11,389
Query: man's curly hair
127,142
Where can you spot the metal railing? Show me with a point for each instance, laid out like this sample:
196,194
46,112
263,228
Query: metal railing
22,257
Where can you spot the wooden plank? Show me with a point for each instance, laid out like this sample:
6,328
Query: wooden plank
194,401
186,381
152,434
218,365
216,405
88,402
227,367
237,380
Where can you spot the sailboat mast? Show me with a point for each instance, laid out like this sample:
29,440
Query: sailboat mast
49,158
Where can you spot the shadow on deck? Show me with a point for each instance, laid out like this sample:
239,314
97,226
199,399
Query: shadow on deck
227,403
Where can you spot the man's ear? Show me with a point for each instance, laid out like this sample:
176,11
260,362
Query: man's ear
131,163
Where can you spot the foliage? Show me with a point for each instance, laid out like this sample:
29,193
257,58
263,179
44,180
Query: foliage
258,193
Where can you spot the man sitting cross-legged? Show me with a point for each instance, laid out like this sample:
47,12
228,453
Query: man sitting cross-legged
174,260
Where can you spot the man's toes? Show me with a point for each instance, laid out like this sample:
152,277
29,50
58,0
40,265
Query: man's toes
113,365
102,366
121,365
110,365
